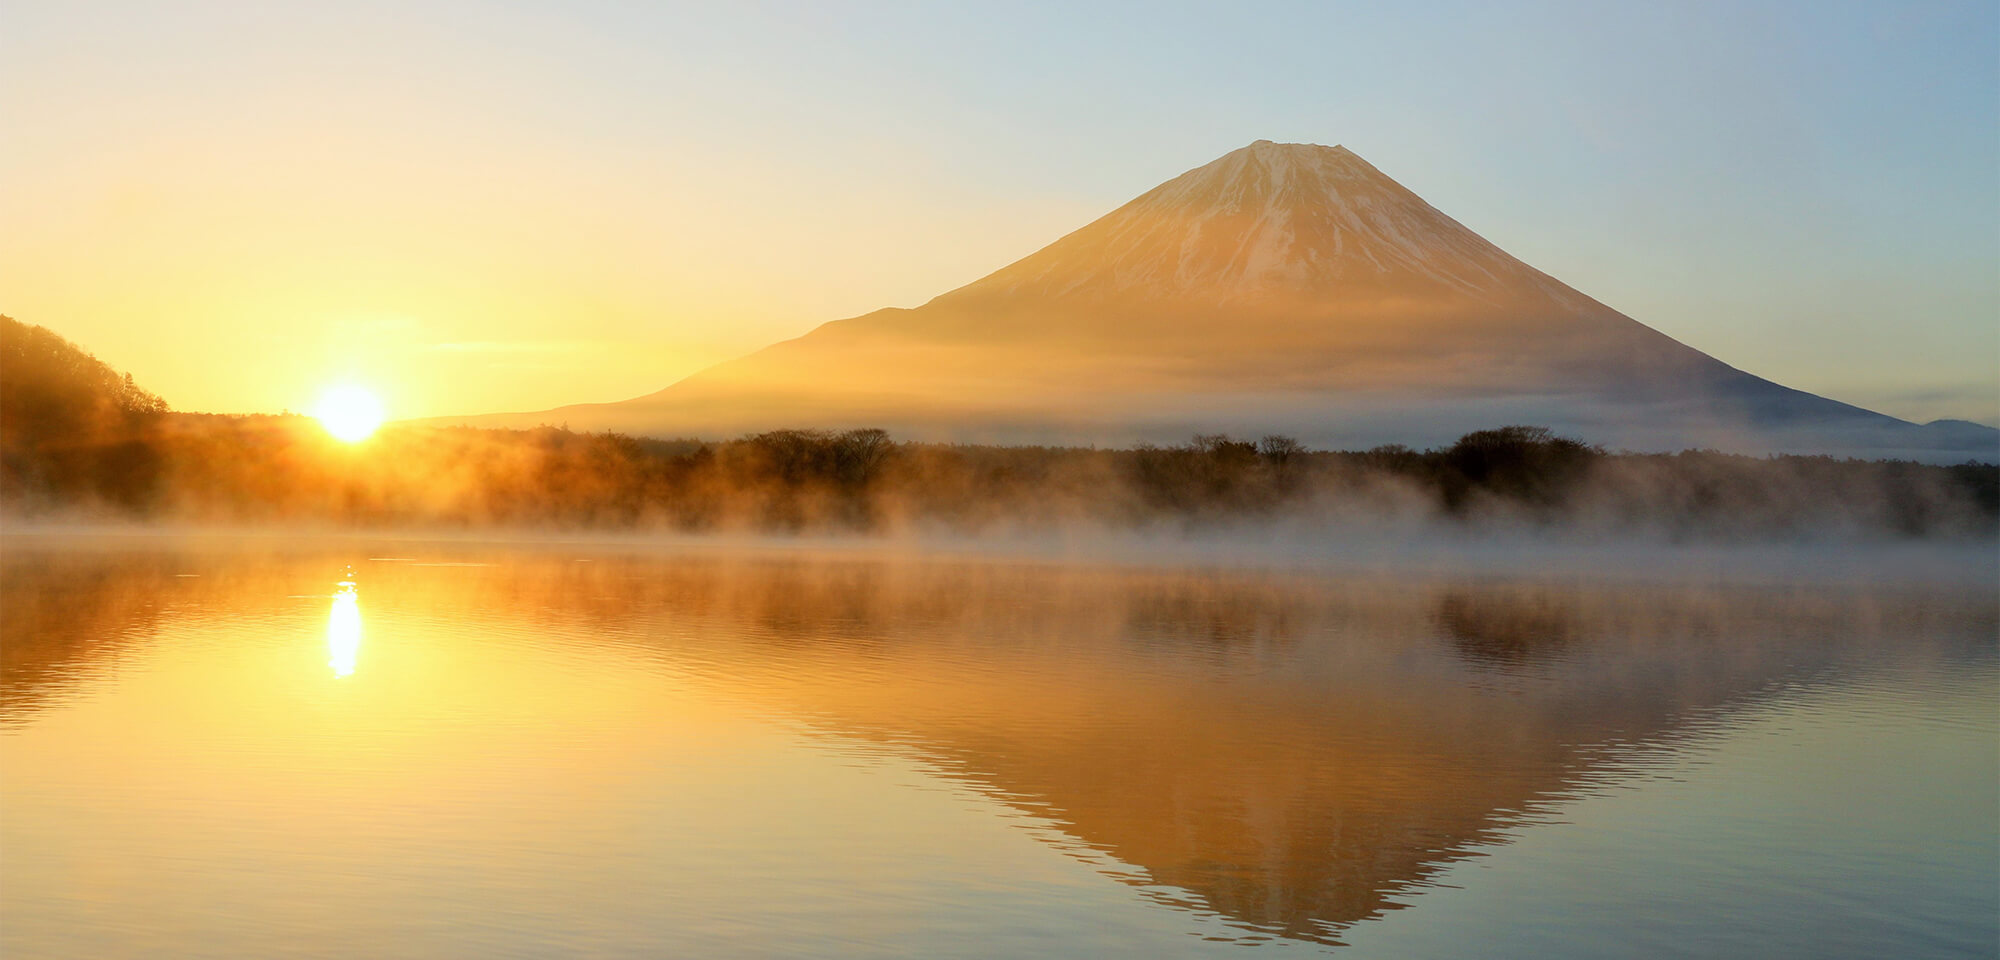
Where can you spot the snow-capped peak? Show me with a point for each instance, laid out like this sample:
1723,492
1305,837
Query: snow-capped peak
1266,218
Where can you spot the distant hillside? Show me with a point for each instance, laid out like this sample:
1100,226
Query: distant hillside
1289,287
83,440
53,390
71,428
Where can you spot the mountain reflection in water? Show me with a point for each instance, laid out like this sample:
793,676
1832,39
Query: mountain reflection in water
1288,753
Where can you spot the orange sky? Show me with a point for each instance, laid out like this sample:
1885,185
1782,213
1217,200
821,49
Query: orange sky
248,278
478,208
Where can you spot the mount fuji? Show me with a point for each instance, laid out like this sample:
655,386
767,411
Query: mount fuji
1286,288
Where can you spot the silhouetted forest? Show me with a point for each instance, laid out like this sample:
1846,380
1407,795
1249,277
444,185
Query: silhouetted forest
79,440
71,428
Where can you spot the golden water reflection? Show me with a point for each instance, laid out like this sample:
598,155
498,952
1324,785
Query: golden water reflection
1273,755
343,631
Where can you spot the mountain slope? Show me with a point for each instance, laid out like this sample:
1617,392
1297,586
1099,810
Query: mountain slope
1288,287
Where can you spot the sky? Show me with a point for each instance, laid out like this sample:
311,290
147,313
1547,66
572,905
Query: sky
482,207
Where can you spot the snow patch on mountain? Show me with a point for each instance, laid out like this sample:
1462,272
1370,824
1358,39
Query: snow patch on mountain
1287,287
1269,217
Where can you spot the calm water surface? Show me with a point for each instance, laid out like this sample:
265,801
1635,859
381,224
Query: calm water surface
481,751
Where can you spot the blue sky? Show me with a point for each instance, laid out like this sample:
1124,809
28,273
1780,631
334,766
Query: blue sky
1809,191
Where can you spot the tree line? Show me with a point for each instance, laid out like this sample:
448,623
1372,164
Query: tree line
78,439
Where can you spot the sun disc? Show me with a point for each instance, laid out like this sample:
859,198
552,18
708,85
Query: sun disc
350,413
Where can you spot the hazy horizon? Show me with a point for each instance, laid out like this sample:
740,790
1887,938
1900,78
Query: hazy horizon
480,210
612,479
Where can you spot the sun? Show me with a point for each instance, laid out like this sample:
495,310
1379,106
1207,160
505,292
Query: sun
350,413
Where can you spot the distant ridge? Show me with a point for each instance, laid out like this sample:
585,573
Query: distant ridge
1281,287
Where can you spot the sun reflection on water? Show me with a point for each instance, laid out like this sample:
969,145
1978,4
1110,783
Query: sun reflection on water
343,630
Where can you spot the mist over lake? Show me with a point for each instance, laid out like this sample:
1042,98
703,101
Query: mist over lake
1507,481
338,746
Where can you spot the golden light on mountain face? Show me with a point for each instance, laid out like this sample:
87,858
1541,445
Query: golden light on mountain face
349,412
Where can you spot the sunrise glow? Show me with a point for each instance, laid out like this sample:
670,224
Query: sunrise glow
349,412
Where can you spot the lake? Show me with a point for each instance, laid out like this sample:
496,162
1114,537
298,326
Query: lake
268,747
